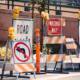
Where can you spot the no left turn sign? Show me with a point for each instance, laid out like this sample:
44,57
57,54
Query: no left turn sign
21,52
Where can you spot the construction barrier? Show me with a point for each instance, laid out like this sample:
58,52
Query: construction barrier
61,47
51,41
22,46
70,43
55,58
29,67
55,42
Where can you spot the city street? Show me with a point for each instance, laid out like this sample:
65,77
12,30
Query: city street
39,39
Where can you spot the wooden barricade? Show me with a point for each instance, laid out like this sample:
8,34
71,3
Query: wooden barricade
29,67
70,43
50,41
57,55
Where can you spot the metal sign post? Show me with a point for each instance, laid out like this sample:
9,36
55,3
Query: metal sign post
5,60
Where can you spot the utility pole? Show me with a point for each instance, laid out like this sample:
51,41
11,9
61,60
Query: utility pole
8,4
48,5
58,7
12,4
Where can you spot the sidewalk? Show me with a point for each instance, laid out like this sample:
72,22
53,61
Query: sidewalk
70,76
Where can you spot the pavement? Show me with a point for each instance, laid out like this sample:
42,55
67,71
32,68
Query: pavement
51,76
70,76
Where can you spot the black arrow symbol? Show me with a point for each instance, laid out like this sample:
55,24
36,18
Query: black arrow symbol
21,50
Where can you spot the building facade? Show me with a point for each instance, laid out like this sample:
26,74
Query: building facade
70,15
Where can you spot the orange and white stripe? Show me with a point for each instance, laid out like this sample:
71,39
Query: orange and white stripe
70,43
54,40
71,46
29,67
55,58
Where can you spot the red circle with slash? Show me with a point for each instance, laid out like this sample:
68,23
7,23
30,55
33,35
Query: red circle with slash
27,55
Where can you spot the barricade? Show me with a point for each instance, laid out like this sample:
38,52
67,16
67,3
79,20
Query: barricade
71,45
29,67
22,46
23,61
58,55
55,56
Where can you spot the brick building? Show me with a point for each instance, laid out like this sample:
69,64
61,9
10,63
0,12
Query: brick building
71,28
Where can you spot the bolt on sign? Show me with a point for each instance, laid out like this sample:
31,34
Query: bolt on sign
22,45
54,26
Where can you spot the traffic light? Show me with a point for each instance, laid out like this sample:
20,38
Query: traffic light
11,34
16,12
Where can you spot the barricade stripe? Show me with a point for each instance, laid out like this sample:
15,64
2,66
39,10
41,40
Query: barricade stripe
31,66
24,67
21,67
54,39
49,40
58,40
55,57
51,57
48,58
18,68
27,68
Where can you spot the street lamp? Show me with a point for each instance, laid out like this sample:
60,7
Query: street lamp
45,17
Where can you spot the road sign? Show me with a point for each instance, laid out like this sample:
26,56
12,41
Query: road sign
22,45
21,52
54,26
23,29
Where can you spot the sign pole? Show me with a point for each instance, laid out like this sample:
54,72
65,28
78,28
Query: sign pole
5,59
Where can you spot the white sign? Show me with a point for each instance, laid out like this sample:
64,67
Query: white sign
23,29
22,46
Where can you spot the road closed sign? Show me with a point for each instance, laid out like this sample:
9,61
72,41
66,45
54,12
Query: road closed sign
23,29
22,45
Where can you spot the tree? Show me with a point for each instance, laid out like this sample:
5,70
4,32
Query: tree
41,4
